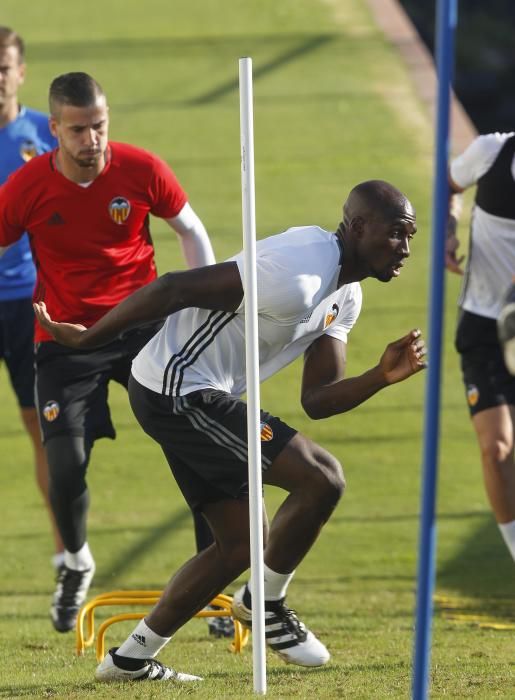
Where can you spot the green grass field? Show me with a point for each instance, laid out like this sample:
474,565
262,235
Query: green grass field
333,106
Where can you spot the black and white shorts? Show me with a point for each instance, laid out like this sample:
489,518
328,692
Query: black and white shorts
204,438
485,376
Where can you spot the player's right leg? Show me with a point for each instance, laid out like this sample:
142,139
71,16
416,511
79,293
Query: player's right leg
72,407
494,430
204,438
314,480
490,393
506,329
68,459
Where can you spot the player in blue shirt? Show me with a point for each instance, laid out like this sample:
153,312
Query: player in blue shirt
24,133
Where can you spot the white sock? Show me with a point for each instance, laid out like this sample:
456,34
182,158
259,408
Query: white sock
508,533
143,643
81,560
275,584
57,560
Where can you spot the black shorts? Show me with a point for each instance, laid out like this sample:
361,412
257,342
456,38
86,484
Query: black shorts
72,385
487,381
17,347
204,438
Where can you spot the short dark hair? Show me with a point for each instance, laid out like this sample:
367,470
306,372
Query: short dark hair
8,37
76,89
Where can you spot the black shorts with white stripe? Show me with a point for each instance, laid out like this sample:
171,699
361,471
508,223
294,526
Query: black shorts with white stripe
204,438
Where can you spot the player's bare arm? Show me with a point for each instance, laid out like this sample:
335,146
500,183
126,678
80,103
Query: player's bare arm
325,391
452,262
215,287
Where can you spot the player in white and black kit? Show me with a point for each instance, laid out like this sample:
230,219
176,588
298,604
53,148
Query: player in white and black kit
489,164
185,389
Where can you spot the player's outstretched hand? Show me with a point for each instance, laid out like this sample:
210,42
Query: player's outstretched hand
64,333
404,357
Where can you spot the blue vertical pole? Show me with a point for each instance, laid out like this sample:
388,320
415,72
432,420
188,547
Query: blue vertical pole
445,27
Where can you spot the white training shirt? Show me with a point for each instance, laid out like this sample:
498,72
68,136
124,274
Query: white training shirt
491,259
298,301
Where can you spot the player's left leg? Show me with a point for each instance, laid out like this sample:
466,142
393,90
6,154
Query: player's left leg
73,413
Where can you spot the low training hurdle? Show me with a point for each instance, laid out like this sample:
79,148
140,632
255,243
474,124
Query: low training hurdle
86,618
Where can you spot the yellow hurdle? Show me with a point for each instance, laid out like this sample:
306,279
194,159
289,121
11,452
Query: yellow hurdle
86,617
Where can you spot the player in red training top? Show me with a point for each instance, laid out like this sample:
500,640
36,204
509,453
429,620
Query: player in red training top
86,208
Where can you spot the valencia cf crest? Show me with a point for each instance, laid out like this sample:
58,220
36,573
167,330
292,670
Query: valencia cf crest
266,432
51,410
331,315
28,150
472,394
119,210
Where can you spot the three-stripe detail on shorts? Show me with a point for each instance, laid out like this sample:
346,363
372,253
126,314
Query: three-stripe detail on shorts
216,431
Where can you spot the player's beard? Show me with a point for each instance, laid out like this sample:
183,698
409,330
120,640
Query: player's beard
88,161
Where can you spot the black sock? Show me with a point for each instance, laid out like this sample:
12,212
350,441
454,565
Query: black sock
126,663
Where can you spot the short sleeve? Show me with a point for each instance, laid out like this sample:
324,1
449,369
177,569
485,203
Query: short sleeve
168,197
477,159
351,308
282,292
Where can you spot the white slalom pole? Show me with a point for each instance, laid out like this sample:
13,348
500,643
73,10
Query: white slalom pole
252,367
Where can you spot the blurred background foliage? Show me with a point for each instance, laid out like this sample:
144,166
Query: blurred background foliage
485,57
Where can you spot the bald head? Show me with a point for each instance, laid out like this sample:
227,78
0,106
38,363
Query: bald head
378,224
376,199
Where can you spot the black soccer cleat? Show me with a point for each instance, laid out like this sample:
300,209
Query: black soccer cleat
70,594
222,626
285,634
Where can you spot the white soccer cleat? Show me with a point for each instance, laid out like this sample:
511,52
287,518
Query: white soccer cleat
285,634
122,668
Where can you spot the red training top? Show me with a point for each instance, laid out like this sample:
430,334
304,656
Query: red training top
91,245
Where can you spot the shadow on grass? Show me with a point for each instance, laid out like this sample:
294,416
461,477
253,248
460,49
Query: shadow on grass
121,48
305,46
482,568
476,586
128,559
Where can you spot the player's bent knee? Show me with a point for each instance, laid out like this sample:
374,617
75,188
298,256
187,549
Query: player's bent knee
67,462
496,451
333,473
236,555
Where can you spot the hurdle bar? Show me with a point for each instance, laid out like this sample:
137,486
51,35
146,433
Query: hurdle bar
86,618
